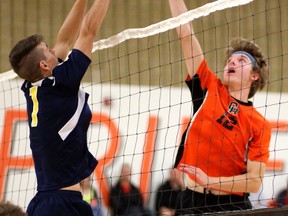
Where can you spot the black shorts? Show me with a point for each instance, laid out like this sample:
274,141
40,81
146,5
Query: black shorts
59,203
192,202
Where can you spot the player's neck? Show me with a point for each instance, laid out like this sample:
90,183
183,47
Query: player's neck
241,95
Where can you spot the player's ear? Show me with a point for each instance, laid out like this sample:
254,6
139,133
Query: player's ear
43,65
255,76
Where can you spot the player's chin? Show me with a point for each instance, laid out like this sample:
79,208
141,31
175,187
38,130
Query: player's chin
229,79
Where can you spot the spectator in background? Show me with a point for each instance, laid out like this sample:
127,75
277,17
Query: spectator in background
125,198
259,200
282,197
90,195
9,209
167,193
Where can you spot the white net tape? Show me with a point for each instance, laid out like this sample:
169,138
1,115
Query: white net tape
154,28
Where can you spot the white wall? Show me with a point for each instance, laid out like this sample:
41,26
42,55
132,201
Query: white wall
130,109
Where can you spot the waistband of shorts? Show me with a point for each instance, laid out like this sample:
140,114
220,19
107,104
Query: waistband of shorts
63,193
206,191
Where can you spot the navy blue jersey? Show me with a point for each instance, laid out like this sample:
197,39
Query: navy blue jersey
58,117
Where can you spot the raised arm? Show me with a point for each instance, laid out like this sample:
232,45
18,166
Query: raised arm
90,26
69,30
191,48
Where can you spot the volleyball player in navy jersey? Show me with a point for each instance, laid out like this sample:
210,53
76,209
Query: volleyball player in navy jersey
58,113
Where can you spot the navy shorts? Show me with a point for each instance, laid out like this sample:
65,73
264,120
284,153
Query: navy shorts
59,203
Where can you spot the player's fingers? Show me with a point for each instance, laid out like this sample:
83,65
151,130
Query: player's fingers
189,169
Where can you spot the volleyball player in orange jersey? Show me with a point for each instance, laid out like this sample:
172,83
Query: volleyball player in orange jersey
226,144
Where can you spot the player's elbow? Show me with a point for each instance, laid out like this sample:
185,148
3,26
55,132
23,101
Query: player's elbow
254,185
255,173
87,35
88,30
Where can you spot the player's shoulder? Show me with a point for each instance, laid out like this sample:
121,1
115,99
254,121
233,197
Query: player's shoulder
259,119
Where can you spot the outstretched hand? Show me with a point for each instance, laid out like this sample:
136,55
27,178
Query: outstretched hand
201,177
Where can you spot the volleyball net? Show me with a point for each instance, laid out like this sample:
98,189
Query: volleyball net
141,106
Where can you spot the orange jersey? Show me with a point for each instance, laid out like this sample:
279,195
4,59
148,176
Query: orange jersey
224,132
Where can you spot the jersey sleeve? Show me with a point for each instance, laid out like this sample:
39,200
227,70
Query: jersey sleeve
259,145
204,74
200,83
70,72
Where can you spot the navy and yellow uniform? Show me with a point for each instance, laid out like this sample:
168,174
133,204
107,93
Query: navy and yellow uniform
58,117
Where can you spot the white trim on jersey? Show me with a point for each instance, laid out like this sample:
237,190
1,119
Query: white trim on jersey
70,125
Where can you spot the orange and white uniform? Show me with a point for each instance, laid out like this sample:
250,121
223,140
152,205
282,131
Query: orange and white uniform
224,132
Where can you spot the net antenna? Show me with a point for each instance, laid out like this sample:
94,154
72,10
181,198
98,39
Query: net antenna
153,29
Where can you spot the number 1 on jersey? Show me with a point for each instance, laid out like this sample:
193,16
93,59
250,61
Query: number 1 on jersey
33,94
